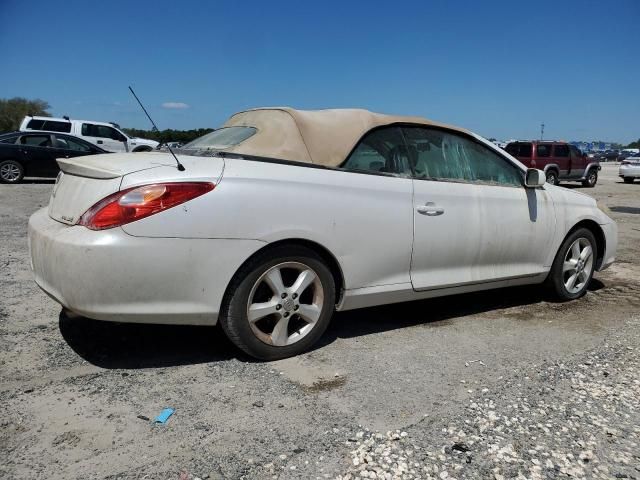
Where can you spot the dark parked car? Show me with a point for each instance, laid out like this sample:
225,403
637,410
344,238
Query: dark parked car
34,154
558,160
608,155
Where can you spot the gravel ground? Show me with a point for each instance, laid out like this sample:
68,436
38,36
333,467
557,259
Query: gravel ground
501,384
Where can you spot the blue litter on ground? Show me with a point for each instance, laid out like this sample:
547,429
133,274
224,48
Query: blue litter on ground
164,415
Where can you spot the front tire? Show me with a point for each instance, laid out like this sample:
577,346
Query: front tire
628,179
552,177
279,303
573,266
11,171
591,180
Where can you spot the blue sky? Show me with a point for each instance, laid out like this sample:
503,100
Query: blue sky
499,68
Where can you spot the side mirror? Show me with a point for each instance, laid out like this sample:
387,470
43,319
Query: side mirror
534,178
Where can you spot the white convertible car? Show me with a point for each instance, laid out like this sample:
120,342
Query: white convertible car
282,216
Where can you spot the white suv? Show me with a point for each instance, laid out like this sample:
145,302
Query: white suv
106,135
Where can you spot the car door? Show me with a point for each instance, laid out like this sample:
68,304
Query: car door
378,199
38,154
561,158
578,162
474,221
103,136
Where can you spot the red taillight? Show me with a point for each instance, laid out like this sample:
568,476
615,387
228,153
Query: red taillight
135,203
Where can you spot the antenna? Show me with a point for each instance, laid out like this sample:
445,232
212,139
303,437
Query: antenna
155,129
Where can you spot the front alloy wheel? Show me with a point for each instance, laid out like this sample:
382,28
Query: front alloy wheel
578,265
279,303
574,265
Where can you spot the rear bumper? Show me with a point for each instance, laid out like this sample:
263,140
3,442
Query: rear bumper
110,275
629,171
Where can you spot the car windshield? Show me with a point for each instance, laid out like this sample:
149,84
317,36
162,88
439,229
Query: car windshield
220,139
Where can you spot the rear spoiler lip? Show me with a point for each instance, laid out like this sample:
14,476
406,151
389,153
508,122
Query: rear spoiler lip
69,166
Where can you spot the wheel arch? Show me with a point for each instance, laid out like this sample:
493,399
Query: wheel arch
144,148
601,243
551,166
322,251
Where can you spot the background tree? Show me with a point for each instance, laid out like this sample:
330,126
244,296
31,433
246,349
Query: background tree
635,144
13,110
169,135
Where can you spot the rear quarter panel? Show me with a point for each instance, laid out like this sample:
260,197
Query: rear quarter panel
365,221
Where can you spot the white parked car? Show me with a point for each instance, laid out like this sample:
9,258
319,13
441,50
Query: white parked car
630,169
283,216
106,135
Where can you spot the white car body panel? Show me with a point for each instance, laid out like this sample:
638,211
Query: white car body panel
175,266
631,168
467,243
281,202
159,280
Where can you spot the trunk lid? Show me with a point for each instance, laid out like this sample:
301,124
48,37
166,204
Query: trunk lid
83,181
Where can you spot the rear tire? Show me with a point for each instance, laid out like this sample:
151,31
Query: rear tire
591,180
573,266
11,171
552,177
283,323
628,179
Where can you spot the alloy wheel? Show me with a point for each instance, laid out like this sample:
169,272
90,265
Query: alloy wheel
578,265
9,172
285,304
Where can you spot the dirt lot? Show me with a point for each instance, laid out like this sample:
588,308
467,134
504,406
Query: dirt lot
490,385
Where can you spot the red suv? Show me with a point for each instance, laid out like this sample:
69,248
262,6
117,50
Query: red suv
558,160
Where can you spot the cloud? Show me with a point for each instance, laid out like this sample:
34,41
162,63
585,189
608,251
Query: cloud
175,105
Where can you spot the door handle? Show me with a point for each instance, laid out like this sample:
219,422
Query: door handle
430,209
100,142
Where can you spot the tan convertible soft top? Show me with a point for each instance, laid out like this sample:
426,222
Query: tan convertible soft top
323,137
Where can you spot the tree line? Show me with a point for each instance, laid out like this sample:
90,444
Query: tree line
168,135
13,110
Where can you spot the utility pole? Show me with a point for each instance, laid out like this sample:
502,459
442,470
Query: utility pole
541,131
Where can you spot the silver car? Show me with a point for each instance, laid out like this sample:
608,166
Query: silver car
630,169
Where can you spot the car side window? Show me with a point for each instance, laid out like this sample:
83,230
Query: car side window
10,139
544,150
525,150
54,126
575,152
440,155
101,131
108,132
561,151
382,150
36,140
70,144
89,130
490,168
